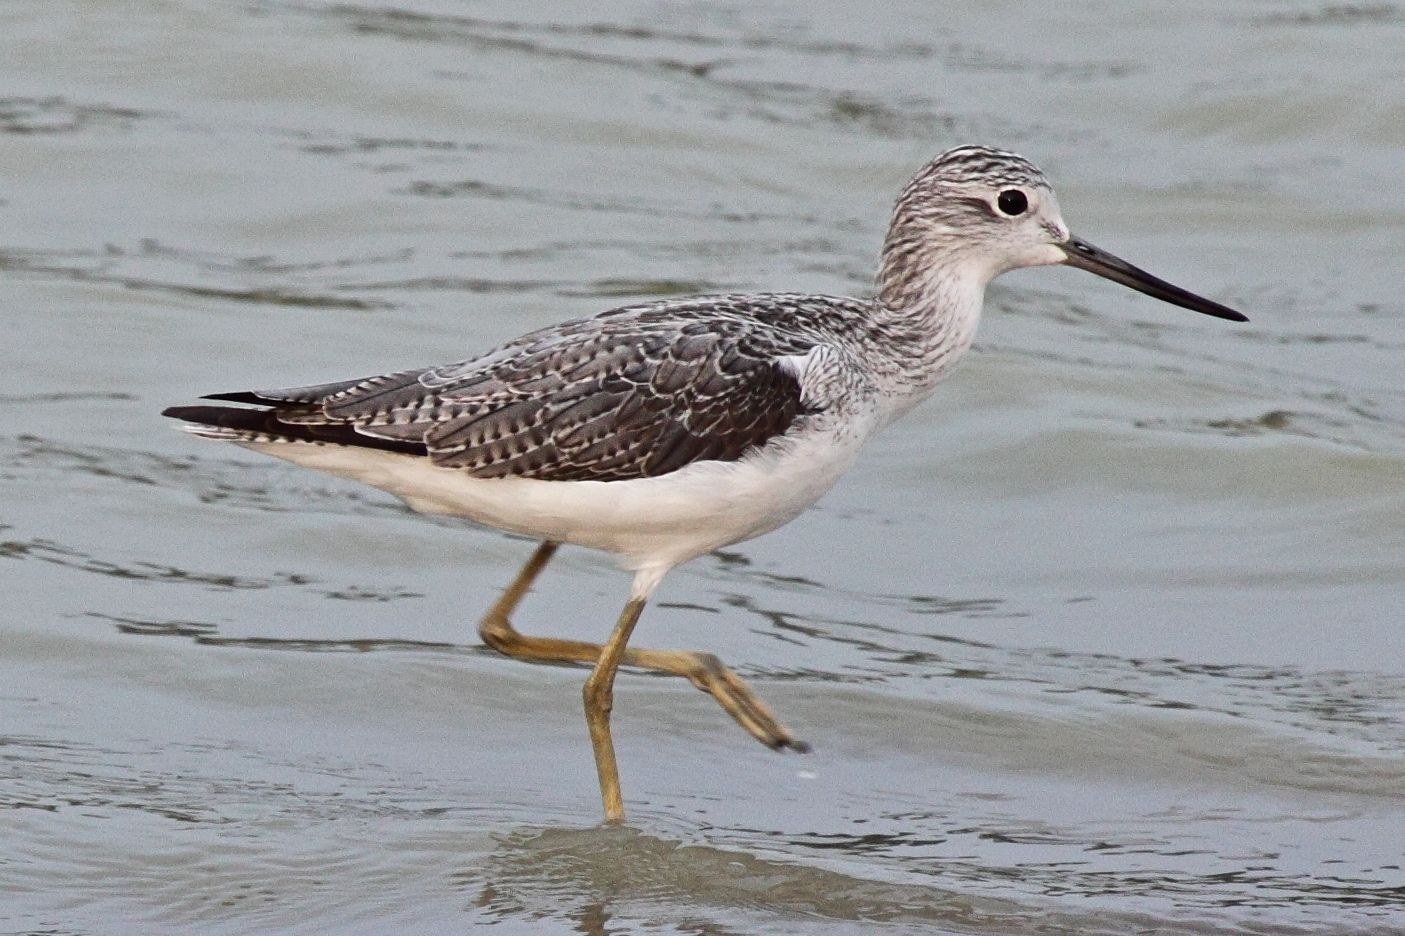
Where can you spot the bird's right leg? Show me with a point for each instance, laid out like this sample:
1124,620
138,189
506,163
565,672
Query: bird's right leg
703,670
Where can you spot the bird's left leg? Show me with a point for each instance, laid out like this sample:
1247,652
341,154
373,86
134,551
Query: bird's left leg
599,692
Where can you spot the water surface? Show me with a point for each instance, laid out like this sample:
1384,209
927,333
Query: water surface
1105,638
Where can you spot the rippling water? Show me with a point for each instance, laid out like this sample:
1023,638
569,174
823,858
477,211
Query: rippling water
1106,638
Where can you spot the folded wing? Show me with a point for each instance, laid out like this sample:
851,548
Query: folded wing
600,399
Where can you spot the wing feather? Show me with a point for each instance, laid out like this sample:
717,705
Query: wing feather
615,397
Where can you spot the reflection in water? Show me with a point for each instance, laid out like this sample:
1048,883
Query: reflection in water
596,877
592,876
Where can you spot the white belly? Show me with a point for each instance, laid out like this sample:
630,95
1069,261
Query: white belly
648,523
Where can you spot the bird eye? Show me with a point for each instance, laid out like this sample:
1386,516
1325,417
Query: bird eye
1012,202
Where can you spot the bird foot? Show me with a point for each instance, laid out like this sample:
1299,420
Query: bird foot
709,674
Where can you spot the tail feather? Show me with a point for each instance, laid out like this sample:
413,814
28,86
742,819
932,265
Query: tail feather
241,424
313,393
243,396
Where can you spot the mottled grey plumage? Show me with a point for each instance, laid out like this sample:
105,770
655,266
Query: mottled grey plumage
713,420
635,392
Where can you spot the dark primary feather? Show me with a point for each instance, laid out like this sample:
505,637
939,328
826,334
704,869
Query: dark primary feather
637,392
266,425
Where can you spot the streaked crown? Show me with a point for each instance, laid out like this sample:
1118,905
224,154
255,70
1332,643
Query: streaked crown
967,165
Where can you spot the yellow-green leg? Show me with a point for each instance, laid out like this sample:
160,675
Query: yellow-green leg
599,696
703,670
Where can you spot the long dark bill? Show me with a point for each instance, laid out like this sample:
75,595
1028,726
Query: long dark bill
1085,256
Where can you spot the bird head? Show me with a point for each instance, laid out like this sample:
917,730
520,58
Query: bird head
976,212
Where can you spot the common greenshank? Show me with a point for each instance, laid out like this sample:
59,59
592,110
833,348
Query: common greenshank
659,432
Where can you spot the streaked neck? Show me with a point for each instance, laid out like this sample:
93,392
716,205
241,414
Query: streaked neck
932,306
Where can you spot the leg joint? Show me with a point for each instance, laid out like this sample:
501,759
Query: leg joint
598,692
497,632
708,664
599,687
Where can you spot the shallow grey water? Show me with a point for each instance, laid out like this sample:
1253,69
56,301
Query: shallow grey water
1105,638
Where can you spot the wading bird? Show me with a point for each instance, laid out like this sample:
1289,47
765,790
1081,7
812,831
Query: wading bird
662,431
